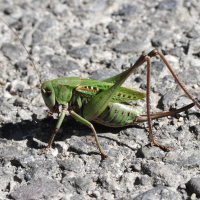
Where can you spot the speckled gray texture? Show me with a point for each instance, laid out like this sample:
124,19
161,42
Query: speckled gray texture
98,39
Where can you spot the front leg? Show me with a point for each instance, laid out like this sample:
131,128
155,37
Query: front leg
59,123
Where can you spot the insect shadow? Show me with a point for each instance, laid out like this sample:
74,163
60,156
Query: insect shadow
37,132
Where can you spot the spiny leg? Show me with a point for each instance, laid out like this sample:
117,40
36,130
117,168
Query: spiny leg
87,123
59,123
152,138
144,118
154,53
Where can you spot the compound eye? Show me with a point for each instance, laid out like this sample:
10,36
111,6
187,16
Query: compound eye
46,92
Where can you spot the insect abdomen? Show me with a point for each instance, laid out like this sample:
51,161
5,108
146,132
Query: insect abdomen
118,115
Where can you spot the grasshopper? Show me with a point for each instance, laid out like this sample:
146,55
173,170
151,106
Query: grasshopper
105,102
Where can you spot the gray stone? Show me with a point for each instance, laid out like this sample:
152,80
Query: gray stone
98,6
193,33
167,5
190,76
161,38
60,10
11,51
40,188
169,174
131,46
19,103
151,152
6,177
158,193
21,65
46,24
127,11
174,52
61,65
78,144
8,11
194,186
80,52
157,68
194,46
167,99
24,115
71,165
72,65
113,27
103,74
38,37
38,168
95,39
85,183
186,159
70,3
182,101
31,80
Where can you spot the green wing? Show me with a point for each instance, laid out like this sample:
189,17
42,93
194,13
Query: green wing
91,88
128,94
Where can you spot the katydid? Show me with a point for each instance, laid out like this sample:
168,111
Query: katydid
105,102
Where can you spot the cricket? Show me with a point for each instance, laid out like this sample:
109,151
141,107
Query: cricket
105,102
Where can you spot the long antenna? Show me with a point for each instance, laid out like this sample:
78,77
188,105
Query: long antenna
24,48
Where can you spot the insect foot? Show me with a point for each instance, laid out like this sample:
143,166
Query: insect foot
155,143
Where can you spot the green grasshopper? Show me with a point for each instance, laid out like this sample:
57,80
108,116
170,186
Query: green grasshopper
105,102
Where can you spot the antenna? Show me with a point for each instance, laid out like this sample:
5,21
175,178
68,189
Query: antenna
24,48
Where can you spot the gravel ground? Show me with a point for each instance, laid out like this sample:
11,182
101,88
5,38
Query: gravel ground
97,40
